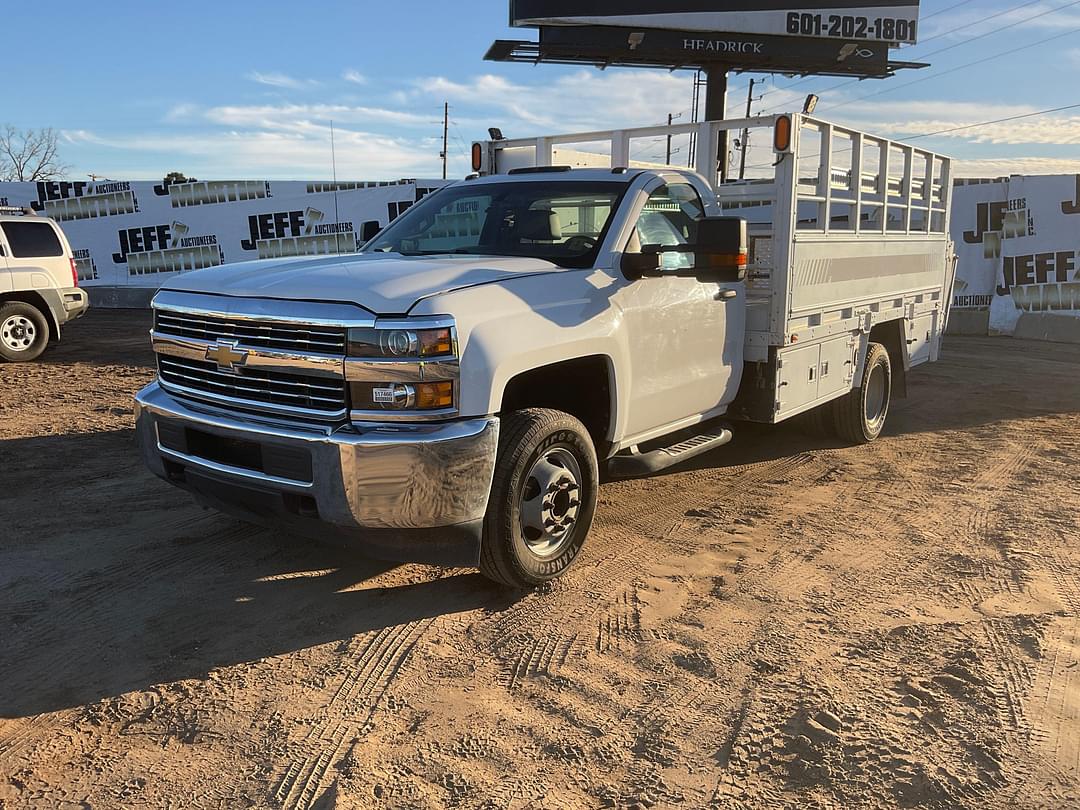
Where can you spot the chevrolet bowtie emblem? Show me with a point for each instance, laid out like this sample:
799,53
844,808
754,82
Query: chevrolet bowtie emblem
227,356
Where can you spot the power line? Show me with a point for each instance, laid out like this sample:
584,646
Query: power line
949,8
906,138
1009,10
999,30
990,58
1001,13
996,121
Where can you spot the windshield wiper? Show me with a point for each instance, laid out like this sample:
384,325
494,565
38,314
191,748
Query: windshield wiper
454,252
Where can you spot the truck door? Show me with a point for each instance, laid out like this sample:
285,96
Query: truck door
5,271
685,336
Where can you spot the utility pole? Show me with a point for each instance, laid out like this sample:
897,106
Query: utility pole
746,131
695,116
670,119
445,136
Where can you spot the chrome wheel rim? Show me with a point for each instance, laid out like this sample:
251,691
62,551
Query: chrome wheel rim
877,396
18,333
551,502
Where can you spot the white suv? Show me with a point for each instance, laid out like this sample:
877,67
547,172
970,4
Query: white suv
39,284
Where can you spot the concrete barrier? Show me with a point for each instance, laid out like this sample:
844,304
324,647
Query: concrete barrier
1047,326
120,297
969,322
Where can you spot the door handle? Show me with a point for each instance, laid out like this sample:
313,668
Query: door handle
727,295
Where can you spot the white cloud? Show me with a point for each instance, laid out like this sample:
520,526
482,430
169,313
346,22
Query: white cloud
583,100
280,80
1001,167
270,155
354,76
909,118
303,116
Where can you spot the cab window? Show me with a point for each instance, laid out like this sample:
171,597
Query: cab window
669,219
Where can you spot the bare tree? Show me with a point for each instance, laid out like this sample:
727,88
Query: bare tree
29,155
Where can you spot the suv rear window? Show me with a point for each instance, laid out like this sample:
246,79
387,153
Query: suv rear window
31,240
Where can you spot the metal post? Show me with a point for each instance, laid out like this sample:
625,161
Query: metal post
716,110
746,132
445,136
670,118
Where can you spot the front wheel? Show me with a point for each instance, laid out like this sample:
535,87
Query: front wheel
543,498
860,415
24,332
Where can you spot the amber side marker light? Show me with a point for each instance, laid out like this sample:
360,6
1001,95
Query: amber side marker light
718,261
477,157
782,134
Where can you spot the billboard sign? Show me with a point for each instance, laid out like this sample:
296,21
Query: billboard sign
893,21
655,47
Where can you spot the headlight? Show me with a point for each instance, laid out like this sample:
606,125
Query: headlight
400,344
403,369
419,396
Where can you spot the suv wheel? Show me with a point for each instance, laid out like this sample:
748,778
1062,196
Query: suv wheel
543,498
24,332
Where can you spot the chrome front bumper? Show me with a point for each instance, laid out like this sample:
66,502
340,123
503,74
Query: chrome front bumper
407,492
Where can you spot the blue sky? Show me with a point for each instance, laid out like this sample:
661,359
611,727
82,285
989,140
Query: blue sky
240,89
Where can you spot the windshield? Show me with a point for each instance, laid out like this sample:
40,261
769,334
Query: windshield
561,221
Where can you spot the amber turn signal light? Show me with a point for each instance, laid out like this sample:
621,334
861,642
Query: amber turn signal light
782,134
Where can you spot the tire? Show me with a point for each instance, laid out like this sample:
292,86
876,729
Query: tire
860,415
24,332
546,471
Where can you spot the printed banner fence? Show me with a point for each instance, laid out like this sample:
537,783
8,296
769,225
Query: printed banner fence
1018,239
140,233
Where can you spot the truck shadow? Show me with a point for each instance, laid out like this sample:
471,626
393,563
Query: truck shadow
123,583
105,337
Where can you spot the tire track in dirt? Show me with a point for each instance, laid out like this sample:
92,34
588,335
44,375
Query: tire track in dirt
1053,702
371,665
543,630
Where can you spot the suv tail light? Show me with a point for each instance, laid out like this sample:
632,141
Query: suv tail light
74,273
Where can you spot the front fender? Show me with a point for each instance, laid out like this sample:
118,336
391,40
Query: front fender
513,327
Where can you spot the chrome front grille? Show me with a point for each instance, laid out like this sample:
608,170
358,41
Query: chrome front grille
256,334
255,388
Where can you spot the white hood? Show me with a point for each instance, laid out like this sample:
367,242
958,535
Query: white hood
386,284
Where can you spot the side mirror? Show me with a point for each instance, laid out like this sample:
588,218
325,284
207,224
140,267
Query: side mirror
721,251
369,230
636,266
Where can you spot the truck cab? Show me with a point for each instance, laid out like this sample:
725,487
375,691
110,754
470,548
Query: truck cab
39,284
452,393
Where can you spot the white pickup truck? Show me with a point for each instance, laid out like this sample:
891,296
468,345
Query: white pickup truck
454,393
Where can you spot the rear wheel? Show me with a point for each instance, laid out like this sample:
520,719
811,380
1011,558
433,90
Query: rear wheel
860,415
543,498
24,332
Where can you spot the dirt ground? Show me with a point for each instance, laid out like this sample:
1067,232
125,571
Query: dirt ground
786,623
